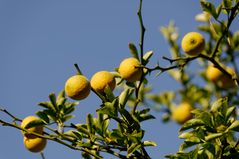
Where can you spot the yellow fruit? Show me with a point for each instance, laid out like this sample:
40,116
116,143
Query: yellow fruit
101,79
227,82
182,113
129,69
193,43
213,74
37,129
77,87
35,144
220,79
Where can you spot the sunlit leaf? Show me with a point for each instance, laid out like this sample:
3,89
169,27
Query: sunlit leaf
234,126
133,50
133,148
210,8
193,123
213,136
149,143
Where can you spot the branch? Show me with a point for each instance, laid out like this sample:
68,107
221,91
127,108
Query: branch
142,28
225,32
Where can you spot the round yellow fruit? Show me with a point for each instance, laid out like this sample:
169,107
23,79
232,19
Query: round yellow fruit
35,145
37,129
182,113
101,79
213,74
130,70
193,43
219,78
227,82
77,87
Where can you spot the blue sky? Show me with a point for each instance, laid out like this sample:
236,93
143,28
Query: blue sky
41,40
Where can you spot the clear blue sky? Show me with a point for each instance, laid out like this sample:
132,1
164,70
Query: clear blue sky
41,40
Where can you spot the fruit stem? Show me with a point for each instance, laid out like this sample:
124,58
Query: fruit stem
78,69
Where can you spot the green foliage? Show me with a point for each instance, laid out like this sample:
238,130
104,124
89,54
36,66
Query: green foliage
211,132
57,109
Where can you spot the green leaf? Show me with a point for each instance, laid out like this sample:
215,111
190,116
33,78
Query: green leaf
220,106
67,117
74,134
47,105
213,136
133,50
193,123
109,109
227,4
129,119
43,116
149,143
147,56
69,108
51,114
124,96
234,126
83,129
90,123
230,111
61,98
52,98
144,117
210,8
109,93
34,123
133,147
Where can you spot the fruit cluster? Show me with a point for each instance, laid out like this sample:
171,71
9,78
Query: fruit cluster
32,142
78,87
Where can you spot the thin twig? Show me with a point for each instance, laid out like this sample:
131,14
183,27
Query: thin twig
225,32
42,155
8,113
142,28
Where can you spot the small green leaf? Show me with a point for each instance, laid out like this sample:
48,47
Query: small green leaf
227,4
149,143
213,136
219,106
61,98
52,98
147,56
34,123
83,129
43,116
133,50
67,117
47,105
234,126
109,93
210,8
129,119
90,123
230,111
51,114
124,96
109,109
74,134
193,123
145,117
68,109
133,147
